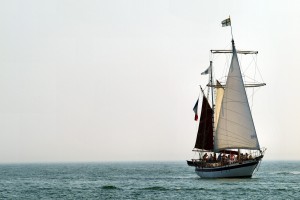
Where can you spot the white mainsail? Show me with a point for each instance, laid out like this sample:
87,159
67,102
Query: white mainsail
235,127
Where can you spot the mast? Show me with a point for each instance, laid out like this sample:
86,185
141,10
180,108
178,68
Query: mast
211,82
212,92
231,28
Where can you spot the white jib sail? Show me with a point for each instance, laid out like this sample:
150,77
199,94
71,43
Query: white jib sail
235,127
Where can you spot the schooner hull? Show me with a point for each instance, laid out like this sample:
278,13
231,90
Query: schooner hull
237,170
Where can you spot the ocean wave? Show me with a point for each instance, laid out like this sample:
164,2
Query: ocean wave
155,188
200,189
295,172
109,187
159,188
281,189
288,173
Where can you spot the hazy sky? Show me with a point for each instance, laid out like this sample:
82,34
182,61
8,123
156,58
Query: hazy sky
117,79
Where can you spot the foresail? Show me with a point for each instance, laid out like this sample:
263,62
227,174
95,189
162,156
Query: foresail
219,97
235,127
205,131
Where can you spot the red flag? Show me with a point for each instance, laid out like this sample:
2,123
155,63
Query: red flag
196,117
195,109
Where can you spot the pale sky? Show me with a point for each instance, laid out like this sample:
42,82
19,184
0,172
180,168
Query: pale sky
116,80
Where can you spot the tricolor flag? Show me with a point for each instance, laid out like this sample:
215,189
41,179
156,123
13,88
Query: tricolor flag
226,22
195,109
207,71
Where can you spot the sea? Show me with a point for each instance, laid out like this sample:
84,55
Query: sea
144,180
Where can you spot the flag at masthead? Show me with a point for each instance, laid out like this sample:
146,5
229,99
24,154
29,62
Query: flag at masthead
227,22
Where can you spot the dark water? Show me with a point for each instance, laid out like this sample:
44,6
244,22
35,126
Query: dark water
143,180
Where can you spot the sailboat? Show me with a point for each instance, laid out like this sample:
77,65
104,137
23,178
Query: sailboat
227,143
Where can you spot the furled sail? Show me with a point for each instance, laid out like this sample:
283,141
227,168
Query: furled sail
235,128
205,131
219,97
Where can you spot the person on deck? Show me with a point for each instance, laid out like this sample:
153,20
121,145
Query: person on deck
205,156
211,157
219,157
241,158
228,158
232,157
246,156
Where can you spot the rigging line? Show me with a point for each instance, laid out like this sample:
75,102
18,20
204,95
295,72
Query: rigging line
226,67
199,92
215,57
240,61
258,70
248,67
253,90
259,163
248,77
206,88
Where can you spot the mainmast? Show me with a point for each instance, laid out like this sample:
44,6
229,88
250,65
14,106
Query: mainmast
235,128
230,28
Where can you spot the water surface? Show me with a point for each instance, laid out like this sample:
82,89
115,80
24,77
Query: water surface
143,180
